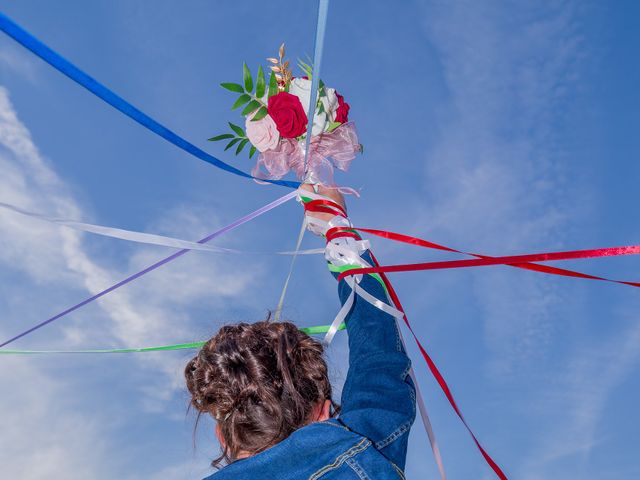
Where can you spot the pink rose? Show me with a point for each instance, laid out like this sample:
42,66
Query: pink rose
263,133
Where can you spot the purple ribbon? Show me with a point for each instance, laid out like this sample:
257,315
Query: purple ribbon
162,262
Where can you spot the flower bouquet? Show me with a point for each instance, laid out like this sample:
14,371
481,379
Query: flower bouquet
276,124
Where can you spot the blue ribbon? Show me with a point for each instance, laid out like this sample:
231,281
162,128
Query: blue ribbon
54,59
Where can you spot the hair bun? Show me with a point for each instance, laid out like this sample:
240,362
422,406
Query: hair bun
260,382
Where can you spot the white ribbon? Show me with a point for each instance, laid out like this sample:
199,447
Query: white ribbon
340,317
293,261
344,255
349,256
142,237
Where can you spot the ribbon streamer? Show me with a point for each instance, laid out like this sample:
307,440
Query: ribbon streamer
527,266
144,238
64,66
353,259
278,313
233,225
437,375
321,27
315,330
515,260
321,204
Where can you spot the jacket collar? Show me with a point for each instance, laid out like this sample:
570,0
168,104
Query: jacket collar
300,452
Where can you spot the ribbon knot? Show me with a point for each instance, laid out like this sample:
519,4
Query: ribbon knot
327,151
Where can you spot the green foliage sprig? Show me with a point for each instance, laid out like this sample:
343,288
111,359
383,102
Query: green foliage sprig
237,137
254,102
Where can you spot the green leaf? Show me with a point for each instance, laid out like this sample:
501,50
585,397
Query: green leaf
252,106
220,137
273,85
231,143
260,83
242,99
252,151
320,107
260,114
241,145
239,131
248,81
234,87
306,68
333,126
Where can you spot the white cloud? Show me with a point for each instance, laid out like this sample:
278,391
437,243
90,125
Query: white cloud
36,440
497,185
51,254
45,268
580,391
14,58
494,177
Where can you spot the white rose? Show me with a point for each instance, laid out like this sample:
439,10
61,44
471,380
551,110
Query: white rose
301,88
330,103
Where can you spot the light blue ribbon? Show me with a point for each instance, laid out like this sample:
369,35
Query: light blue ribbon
321,27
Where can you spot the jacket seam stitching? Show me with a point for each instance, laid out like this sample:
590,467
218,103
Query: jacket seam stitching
393,436
355,466
398,470
336,426
398,340
357,448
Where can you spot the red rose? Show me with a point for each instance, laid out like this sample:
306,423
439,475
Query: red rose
342,112
286,110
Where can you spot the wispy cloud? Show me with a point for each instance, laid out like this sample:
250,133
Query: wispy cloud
14,58
497,184
46,268
34,443
580,391
494,178
49,254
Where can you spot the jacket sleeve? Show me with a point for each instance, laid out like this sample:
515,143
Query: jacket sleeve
378,398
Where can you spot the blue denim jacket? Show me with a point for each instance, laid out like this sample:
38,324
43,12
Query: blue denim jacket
369,438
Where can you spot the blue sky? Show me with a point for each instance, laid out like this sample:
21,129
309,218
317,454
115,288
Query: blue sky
497,127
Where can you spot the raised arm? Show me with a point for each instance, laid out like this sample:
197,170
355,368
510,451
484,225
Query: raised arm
378,398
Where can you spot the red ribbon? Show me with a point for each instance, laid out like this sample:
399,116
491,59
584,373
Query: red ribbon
325,206
436,373
518,261
513,260
344,232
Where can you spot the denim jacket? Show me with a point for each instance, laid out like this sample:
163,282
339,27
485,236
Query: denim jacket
369,438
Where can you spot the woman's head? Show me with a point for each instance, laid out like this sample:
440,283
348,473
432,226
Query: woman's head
260,381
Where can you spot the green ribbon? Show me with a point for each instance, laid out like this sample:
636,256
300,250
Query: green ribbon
346,268
162,348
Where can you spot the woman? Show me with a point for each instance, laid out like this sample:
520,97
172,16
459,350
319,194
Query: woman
266,384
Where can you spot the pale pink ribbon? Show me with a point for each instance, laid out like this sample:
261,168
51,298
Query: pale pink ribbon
327,150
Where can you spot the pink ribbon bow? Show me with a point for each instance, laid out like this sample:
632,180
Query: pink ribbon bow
326,151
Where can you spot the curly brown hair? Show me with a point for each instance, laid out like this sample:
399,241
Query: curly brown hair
260,381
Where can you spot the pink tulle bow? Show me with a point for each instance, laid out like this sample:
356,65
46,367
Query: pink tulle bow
326,151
